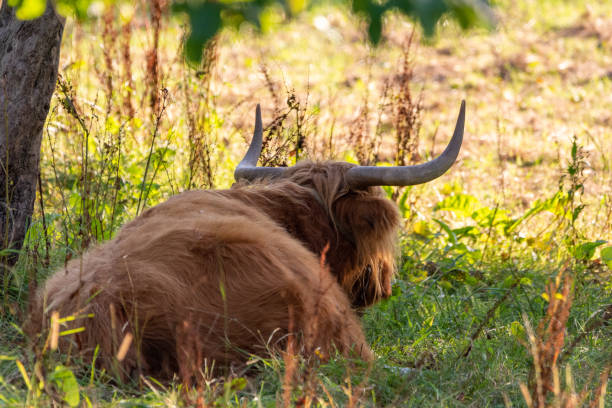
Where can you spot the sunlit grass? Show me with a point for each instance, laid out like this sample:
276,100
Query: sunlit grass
478,246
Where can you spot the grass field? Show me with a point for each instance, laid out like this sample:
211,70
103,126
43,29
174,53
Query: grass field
503,293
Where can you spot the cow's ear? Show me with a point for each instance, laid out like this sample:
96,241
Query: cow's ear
365,214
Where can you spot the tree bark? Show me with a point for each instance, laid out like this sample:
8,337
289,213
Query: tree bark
29,58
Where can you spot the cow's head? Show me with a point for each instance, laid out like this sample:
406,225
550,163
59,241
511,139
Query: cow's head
364,220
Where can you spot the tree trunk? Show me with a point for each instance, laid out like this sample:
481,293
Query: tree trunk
29,58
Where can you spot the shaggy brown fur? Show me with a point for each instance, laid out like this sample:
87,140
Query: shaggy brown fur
229,265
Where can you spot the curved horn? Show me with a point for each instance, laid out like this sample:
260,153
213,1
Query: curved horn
247,168
364,176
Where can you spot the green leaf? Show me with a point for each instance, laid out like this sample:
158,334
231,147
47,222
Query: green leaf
403,204
489,217
469,14
207,18
28,9
66,382
205,21
452,238
421,227
469,232
112,126
517,330
296,6
361,6
270,18
606,256
508,282
375,27
553,205
77,7
577,212
586,250
8,251
238,384
428,13
461,203
470,280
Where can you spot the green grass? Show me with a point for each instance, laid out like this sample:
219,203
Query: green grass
478,247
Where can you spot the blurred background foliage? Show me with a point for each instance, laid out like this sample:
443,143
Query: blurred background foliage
207,18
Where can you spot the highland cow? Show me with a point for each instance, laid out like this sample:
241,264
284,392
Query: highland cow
221,275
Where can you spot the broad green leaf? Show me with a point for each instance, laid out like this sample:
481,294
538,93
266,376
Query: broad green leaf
205,21
508,282
428,14
375,26
270,18
461,203
66,382
606,256
470,280
296,6
586,250
517,330
112,125
29,9
469,232
421,227
238,384
555,205
470,14
76,7
489,217
207,18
